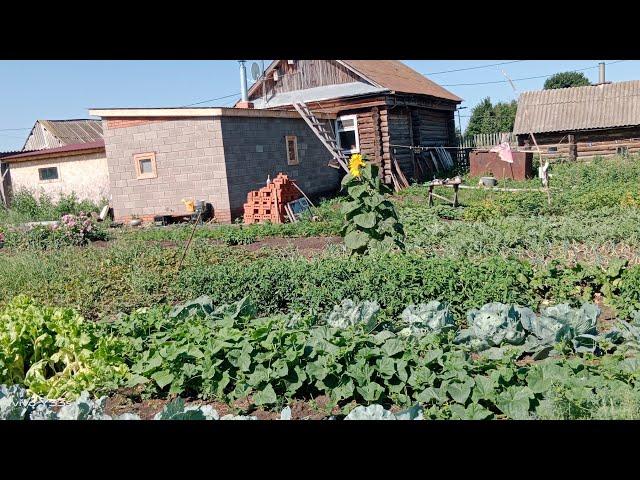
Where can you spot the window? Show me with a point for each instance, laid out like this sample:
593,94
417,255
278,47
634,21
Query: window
624,151
292,150
48,174
347,134
145,165
552,149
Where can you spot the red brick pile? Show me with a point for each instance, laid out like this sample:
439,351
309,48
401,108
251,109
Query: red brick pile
267,204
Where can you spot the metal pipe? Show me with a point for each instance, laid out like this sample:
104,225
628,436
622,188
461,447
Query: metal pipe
243,80
602,77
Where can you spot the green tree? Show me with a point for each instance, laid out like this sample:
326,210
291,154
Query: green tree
481,118
489,118
505,113
566,80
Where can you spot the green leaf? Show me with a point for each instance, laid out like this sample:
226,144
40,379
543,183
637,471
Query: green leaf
386,367
538,379
460,391
163,378
472,412
356,191
365,220
392,347
371,392
356,240
515,402
266,396
484,389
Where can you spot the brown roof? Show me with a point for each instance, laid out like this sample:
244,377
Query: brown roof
74,149
579,108
398,77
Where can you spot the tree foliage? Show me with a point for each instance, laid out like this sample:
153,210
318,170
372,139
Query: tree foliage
489,118
566,80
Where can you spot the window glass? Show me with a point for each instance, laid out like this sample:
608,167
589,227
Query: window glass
348,140
49,173
146,166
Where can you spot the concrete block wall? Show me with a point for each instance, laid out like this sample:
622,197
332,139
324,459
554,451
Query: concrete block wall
255,147
190,163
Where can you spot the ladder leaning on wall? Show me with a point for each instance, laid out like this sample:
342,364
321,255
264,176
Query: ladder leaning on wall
328,140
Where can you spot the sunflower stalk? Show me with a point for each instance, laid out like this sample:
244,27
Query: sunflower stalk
371,220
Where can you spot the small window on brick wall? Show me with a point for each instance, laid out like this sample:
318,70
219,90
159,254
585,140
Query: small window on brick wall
292,150
145,165
48,174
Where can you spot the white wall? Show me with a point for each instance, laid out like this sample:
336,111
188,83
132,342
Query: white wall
86,175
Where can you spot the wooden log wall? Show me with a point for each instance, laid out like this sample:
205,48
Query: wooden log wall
587,144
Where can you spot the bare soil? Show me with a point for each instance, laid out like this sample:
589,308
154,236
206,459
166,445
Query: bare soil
128,401
305,245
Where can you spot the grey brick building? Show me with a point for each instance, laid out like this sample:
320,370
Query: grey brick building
158,157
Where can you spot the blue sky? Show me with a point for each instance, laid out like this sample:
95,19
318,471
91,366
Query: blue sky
32,90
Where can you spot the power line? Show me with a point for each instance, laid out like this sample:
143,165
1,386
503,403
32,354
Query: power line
211,100
473,68
526,78
9,129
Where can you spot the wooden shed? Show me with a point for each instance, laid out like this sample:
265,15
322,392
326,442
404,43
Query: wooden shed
381,108
581,122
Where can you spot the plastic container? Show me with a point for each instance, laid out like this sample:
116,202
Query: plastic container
190,205
489,181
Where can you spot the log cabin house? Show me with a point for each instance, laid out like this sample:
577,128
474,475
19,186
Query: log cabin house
581,122
381,108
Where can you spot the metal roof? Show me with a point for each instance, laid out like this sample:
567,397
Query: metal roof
54,133
398,77
73,149
317,94
387,75
579,108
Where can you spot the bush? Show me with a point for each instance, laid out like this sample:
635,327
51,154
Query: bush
70,230
25,207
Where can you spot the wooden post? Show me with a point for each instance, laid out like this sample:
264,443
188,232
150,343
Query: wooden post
455,194
573,147
431,195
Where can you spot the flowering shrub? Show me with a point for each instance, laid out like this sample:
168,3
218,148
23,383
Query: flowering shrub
70,230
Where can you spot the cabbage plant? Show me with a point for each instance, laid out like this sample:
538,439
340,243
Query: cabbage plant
349,314
426,318
492,325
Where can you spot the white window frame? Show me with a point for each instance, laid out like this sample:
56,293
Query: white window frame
348,129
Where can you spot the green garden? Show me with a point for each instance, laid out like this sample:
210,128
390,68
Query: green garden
507,307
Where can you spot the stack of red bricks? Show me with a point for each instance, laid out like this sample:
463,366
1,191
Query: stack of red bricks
268,203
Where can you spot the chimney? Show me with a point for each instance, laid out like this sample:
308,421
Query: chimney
601,79
244,103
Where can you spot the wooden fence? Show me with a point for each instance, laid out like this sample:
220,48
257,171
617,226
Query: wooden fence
487,140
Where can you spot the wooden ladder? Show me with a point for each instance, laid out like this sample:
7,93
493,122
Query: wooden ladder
328,140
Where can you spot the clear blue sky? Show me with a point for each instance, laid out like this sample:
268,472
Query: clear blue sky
54,90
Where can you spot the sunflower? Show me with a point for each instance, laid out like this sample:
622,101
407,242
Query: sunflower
355,163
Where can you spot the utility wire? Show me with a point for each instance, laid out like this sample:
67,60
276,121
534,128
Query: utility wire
473,68
526,78
211,100
8,129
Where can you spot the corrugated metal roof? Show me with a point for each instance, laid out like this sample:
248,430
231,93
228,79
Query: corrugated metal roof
317,94
60,151
398,77
391,75
54,133
579,108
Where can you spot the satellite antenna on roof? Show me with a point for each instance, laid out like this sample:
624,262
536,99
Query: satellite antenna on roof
255,71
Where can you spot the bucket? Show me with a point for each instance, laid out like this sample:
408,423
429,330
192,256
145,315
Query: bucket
190,205
489,181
